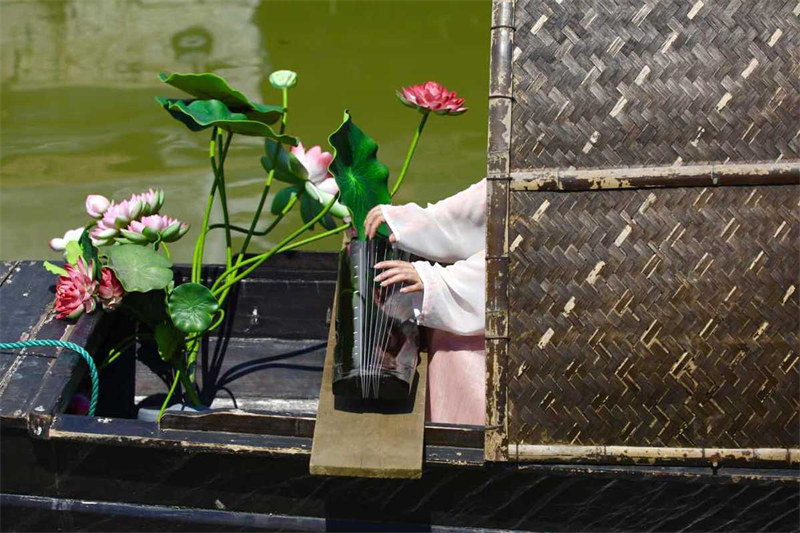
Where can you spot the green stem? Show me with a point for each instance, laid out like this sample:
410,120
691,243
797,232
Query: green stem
188,386
200,243
169,396
410,153
166,250
317,237
223,196
257,260
240,259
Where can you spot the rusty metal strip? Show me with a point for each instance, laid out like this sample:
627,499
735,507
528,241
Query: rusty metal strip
713,457
787,173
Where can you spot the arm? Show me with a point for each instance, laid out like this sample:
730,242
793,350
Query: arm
449,230
451,298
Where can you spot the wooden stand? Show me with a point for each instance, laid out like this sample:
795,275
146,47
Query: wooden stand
360,438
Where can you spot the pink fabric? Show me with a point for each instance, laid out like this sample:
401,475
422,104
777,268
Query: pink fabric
456,379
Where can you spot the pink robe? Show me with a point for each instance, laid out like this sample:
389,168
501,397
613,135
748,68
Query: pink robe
452,304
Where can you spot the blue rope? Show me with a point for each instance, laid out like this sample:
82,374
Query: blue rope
70,346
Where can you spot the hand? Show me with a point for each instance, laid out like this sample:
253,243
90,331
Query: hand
373,222
399,272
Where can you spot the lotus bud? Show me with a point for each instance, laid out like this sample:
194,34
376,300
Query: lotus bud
283,79
96,205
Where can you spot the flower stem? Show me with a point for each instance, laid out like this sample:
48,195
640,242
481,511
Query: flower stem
169,396
257,260
313,238
166,250
219,174
410,153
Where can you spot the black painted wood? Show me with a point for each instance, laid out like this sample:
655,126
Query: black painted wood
554,497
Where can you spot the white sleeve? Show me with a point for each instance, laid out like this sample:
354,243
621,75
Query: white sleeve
447,231
453,297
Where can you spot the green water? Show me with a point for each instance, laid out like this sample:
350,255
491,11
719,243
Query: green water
78,116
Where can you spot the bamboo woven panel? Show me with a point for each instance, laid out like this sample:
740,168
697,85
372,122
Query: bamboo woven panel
655,318
599,83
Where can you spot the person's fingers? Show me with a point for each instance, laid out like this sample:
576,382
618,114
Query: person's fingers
397,278
386,274
391,263
416,287
373,221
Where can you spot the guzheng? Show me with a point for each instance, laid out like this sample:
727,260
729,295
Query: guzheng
377,339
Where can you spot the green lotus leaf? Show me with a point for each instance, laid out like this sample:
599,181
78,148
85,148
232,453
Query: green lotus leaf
201,114
73,250
287,167
362,179
209,86
168,340
139,268
283,198
192,307
89,252
55,269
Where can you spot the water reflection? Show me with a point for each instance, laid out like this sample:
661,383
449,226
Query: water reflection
79,77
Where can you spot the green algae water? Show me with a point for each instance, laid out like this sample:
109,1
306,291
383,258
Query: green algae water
79,79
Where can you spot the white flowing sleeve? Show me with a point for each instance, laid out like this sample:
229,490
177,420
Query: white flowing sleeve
454,297
447,231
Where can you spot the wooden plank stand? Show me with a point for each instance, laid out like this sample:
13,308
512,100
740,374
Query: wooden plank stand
353,437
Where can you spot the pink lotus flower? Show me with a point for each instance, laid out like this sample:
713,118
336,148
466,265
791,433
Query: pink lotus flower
75,291
432,96
316,162
153,228
96,205
120,215
110,290
151,201
60,244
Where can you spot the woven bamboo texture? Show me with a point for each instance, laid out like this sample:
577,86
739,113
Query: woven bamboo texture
664,313
664,318
641,83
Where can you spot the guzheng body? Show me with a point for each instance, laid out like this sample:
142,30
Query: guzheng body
377,340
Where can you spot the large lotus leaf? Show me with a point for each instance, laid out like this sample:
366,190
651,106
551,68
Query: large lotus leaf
139,268
192,307
201,114
208,86
362,179
287,167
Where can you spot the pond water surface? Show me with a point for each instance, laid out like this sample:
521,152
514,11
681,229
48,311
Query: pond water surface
79,78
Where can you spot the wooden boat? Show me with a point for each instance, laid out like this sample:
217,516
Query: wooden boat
642,318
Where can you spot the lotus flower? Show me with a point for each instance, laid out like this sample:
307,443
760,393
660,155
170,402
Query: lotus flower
154,228
120,215
96,205
151,201
59,245
75,291
110,290
316,162
432,96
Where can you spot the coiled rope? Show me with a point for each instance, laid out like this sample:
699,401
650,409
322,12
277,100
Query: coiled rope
70,346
